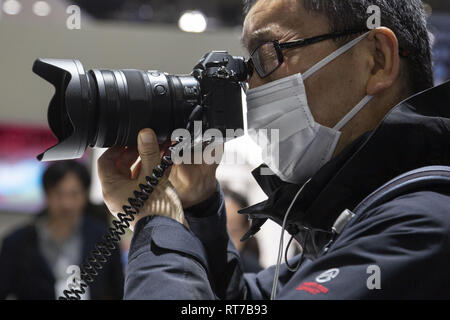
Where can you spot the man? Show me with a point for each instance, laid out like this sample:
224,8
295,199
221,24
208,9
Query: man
37,261
338,155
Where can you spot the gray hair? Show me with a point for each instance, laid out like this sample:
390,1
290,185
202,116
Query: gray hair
406,18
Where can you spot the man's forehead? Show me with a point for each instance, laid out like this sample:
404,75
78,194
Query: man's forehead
252,38
273,14
272,19
264,11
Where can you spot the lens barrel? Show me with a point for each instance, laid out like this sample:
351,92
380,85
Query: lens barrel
104,108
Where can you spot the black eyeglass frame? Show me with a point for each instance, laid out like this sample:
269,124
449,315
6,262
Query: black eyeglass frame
279,47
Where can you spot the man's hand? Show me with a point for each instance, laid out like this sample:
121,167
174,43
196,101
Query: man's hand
193,183
119,180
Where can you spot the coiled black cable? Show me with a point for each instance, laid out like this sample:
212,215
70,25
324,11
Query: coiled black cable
102,250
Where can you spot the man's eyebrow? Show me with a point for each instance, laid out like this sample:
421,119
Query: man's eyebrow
258,37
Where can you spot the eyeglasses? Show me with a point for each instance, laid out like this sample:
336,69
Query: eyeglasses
268,57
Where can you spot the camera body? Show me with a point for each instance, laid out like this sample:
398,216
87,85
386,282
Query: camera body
104,108
220,77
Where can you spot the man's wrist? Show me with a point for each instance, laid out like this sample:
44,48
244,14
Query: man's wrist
164,201
171,205
207,207
198,192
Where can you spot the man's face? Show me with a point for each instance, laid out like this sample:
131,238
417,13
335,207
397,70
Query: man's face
335,89
67,199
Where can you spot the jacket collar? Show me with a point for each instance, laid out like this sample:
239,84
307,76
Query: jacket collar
413,134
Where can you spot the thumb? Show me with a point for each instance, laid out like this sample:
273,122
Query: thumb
148,149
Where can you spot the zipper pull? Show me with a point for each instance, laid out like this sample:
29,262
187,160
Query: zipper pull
257,223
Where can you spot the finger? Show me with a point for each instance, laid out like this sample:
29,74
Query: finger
148,150
168,171
107,163
127,159
136,170
164,147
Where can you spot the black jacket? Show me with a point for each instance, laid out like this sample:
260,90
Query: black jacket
25,274
400,249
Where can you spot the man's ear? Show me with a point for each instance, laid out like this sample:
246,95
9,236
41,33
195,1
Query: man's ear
386,60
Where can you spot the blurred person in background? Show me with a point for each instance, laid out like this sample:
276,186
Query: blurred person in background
34,259
238,225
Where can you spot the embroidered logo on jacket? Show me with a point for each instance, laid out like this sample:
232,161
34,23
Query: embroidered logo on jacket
327,275
312,288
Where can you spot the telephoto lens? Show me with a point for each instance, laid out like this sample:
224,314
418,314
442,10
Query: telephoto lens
104,108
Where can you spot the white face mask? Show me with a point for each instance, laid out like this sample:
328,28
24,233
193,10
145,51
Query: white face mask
304,145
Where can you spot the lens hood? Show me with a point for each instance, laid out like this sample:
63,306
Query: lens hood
70,114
